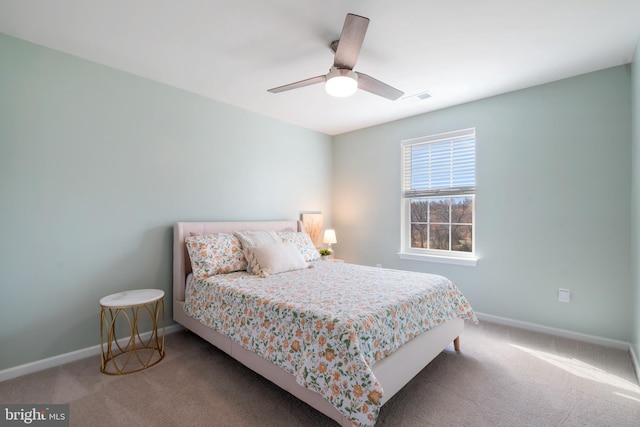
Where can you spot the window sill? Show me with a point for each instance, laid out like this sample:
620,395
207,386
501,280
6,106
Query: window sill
471,262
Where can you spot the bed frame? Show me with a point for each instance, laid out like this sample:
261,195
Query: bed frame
393,372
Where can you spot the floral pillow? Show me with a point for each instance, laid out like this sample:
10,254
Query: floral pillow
303,242
213,254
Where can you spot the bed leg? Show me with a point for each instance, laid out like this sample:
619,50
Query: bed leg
456,344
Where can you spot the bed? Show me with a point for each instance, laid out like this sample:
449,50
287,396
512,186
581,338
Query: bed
334,363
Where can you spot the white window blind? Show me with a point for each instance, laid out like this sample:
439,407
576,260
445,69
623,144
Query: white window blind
439,165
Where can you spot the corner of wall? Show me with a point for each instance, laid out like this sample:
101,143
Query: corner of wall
635,201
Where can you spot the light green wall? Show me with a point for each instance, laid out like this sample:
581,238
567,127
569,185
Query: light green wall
635,197
96,165
552,207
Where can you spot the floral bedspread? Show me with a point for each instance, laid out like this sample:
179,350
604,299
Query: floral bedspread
328,324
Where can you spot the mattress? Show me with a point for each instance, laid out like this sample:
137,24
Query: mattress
328,324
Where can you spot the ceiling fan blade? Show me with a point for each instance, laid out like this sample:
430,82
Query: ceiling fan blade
296,85
350,43
376,87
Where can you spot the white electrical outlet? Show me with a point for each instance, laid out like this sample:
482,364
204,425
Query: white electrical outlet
564,295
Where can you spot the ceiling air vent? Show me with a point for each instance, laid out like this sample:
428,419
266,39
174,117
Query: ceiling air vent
418,96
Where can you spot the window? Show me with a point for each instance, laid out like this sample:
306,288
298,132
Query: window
438,195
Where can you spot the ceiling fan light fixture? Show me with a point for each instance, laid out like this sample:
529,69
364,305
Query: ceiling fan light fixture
341,82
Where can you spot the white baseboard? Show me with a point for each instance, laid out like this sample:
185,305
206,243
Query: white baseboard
636,361
606,342
50,362
61,359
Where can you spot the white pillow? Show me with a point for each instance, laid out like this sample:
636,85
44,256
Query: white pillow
250,239
274,258
257,238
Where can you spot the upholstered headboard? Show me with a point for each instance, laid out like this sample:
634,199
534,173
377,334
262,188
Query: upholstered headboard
181,230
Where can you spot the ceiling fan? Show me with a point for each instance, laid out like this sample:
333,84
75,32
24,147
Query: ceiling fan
341,80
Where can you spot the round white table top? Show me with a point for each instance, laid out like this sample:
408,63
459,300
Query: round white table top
129,298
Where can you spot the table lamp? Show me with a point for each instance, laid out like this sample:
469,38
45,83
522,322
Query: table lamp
329,237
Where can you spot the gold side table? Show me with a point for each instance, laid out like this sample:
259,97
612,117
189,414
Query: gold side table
126,309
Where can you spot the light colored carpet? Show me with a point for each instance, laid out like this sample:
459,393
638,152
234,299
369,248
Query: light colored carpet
502,377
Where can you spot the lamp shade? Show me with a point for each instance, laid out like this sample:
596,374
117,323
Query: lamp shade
341,82
330,236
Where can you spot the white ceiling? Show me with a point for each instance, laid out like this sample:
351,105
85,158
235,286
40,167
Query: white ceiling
234,50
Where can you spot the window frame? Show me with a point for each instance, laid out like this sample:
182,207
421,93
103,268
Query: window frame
407,195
